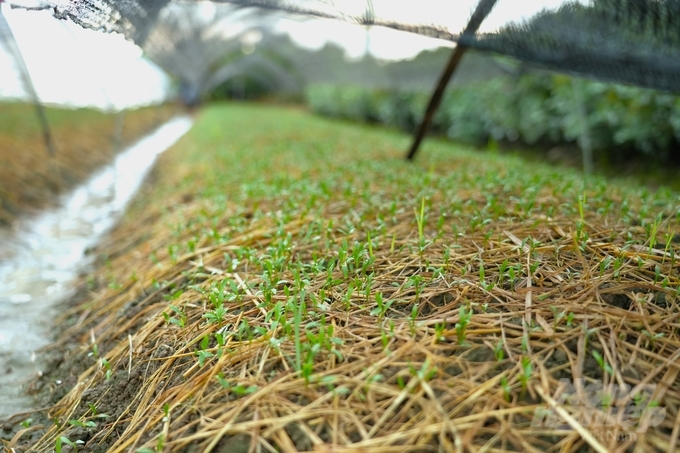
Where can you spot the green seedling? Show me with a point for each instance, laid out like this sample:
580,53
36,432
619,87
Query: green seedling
348,296
215,316
502,272
160,443
464,317
439,329
653,231
589,333
581,235
387,336
95,351
499,351
297,320
533,267
221,379
525,376
447,257
203,354
61,440
420,220
174,295
604,264
653,337
425,373
180,320
581,205
618,264
95,413
482,279
412,319
505,387
525,340
385,339
604,366
668,237
242,390
115,286
557,317
83,424
417,282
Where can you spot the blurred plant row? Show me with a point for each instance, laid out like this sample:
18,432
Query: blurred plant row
532,109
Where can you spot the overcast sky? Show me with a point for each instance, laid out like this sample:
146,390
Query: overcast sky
73,66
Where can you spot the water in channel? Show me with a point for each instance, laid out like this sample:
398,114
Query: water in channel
40,261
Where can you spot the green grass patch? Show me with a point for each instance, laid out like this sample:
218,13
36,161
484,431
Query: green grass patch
83,140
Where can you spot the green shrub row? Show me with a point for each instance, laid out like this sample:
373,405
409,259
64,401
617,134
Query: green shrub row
532,109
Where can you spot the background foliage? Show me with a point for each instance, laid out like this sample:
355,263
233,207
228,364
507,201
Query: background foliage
532,109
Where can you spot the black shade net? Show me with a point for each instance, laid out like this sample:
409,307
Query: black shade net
633,42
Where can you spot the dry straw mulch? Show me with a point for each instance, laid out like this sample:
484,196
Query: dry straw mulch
290,285
84,140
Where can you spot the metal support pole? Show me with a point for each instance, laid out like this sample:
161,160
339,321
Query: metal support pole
436,99
7,37
483,9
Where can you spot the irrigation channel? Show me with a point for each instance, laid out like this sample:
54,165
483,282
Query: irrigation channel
40,261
